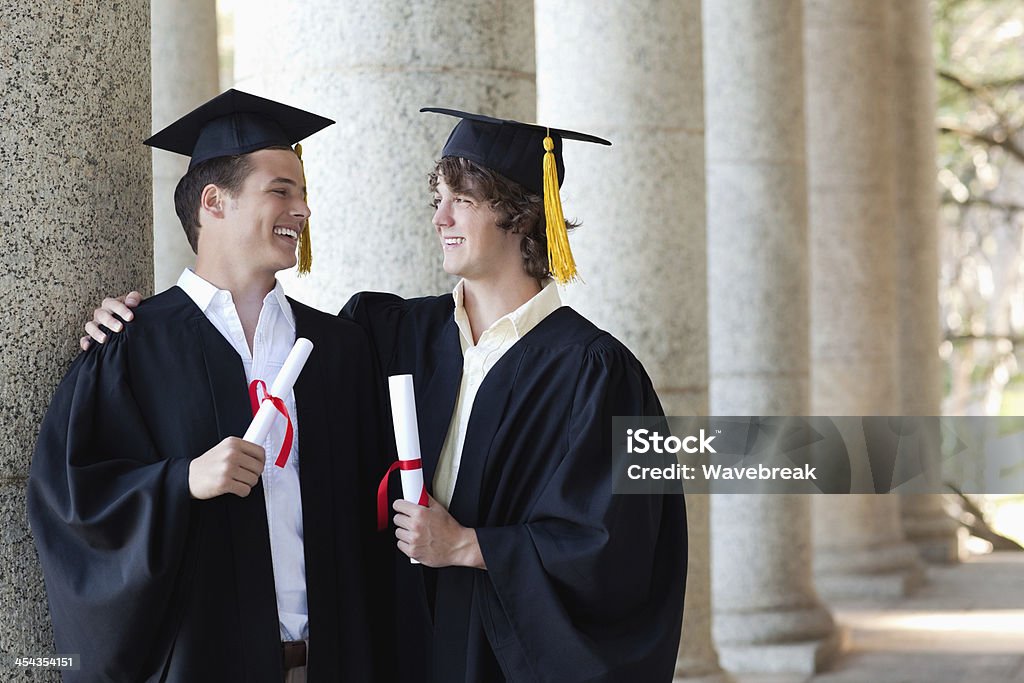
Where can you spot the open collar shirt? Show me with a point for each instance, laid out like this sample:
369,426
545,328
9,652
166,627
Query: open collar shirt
274,338
477,360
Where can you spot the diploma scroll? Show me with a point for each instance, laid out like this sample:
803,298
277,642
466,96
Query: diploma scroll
407,439
282,386
407,434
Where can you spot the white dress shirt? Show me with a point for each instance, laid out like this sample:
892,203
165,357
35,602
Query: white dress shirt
477,361
274,338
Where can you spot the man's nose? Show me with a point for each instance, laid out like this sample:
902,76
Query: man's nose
442,215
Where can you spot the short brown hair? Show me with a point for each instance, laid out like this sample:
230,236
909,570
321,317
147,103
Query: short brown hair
518,210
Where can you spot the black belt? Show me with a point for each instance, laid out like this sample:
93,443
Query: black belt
293,653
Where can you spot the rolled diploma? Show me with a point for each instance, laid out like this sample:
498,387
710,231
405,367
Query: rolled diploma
283,383
407,435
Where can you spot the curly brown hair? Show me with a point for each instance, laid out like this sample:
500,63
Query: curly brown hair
518,210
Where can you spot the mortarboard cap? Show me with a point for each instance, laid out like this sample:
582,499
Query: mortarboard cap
513,149
236,122
528,154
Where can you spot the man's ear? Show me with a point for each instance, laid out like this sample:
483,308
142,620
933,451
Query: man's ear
213,200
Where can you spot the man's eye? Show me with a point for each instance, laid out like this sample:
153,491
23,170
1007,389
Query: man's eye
282,193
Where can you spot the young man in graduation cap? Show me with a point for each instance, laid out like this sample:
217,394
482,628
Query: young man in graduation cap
532,570
172,549
542,574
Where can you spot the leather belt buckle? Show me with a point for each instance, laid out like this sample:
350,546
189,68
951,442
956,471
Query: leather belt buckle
293,654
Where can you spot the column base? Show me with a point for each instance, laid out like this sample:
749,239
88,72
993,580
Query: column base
934,535
878,586
938,550
716,677
801,657
876,572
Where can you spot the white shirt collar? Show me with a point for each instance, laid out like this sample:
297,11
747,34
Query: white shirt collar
523,319
204,293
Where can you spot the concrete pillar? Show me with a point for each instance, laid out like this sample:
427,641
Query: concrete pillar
371,64
767,616
184,53
631,72
76,226
925,521
757,208
697,661
860,548
930,528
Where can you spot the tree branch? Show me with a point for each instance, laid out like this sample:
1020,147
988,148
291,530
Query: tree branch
1002,83
980,88
1007,143
979,526
987,203
972,89
1016,340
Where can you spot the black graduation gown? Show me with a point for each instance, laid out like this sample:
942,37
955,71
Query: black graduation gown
147,584
581,585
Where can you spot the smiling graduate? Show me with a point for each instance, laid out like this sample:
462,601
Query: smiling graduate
172,550
532,570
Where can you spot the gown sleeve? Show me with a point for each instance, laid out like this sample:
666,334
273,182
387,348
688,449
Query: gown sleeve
381,316
590,587
110,517
397,583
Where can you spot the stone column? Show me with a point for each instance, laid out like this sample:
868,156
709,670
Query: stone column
76,226
925,521
767,616
371,64
860,547
697,661
184,76
631,72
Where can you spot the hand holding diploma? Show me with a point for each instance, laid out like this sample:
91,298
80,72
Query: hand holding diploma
432,536
235,465
407,442
232,466
426,532
272,403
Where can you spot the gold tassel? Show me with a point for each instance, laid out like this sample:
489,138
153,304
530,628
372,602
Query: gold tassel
305,246
560,261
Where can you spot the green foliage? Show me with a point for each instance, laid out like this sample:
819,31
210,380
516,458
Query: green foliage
979,54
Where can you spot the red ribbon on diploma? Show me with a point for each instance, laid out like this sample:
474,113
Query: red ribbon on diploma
254,399
382,490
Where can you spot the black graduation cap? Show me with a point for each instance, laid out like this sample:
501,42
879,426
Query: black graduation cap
528,154
236,122
511,148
